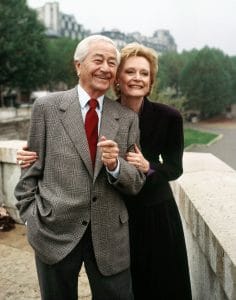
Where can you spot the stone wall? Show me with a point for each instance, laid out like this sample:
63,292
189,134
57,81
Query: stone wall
9,175
205,195
14,123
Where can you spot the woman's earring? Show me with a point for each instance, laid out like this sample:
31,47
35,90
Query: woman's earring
117,88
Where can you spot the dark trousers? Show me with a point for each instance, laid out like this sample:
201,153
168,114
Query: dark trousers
60,281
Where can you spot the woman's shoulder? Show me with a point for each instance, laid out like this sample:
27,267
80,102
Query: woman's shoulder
162,108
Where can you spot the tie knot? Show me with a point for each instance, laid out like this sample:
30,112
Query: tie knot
93,103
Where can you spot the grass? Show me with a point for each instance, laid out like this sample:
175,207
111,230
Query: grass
192,136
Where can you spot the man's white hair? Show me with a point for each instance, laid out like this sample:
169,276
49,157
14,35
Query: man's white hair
82,48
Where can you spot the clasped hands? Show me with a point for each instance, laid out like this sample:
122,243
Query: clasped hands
110,152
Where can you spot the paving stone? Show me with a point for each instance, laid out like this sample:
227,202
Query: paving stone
18,279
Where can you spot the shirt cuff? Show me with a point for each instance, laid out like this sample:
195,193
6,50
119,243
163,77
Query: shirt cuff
115,173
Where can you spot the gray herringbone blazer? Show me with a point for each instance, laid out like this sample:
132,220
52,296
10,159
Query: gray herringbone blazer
59,194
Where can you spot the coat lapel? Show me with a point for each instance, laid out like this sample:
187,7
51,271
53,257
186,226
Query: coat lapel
72,121
109,128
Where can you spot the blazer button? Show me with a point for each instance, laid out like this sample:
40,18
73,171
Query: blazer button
84,223
94,199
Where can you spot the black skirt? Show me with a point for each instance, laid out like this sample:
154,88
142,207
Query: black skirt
159,263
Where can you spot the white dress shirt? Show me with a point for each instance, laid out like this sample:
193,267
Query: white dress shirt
83,99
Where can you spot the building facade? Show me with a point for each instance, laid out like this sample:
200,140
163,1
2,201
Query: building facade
162,41
59,24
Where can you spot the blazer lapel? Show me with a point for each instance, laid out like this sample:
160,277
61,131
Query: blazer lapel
72,121
109,128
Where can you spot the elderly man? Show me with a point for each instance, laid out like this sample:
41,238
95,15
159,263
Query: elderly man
71,197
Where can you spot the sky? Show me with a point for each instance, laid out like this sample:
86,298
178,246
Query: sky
192,23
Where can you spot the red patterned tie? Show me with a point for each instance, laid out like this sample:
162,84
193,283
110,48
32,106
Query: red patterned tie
91,128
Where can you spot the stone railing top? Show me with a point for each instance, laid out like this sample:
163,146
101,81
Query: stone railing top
206,196
211,186
8,150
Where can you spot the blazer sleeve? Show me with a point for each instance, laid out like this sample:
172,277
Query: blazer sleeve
130,180
27,185
170,166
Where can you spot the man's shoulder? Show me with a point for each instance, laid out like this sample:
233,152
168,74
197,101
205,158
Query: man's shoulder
54,98
120,109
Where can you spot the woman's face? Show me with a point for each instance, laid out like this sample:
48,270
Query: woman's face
134,77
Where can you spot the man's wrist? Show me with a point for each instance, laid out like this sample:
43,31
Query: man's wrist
115,173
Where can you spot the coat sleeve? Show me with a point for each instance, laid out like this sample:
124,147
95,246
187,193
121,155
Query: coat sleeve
27,186
169,166
130,180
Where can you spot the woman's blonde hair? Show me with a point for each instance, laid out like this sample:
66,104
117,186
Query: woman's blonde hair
136,49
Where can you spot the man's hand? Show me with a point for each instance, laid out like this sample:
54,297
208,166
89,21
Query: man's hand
110,151
25,158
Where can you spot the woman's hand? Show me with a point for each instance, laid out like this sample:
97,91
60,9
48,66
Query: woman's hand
137,159
25,158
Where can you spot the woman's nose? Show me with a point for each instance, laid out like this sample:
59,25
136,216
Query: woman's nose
137,76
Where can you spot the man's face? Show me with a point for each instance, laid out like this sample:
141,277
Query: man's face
98,70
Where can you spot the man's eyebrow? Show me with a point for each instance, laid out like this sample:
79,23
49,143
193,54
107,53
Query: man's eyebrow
97,54
102,56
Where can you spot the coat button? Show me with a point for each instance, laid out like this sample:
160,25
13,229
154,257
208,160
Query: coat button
84,223
94,199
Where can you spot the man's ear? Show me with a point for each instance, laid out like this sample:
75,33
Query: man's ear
77,67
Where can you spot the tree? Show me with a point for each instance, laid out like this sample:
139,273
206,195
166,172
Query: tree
169,69
23,52
232,72
61,66
205,81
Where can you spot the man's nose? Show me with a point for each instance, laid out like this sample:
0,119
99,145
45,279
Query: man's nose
105,66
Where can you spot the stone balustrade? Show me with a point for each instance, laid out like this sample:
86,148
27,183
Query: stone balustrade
14,122
23,111
206,197
9,175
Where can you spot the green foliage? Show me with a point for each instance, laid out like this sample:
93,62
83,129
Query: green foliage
111,94
206,78
170,67
168,97
193,137
23,55
232,71
206,82
61,65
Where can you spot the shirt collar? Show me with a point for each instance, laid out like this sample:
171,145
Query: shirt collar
84,98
